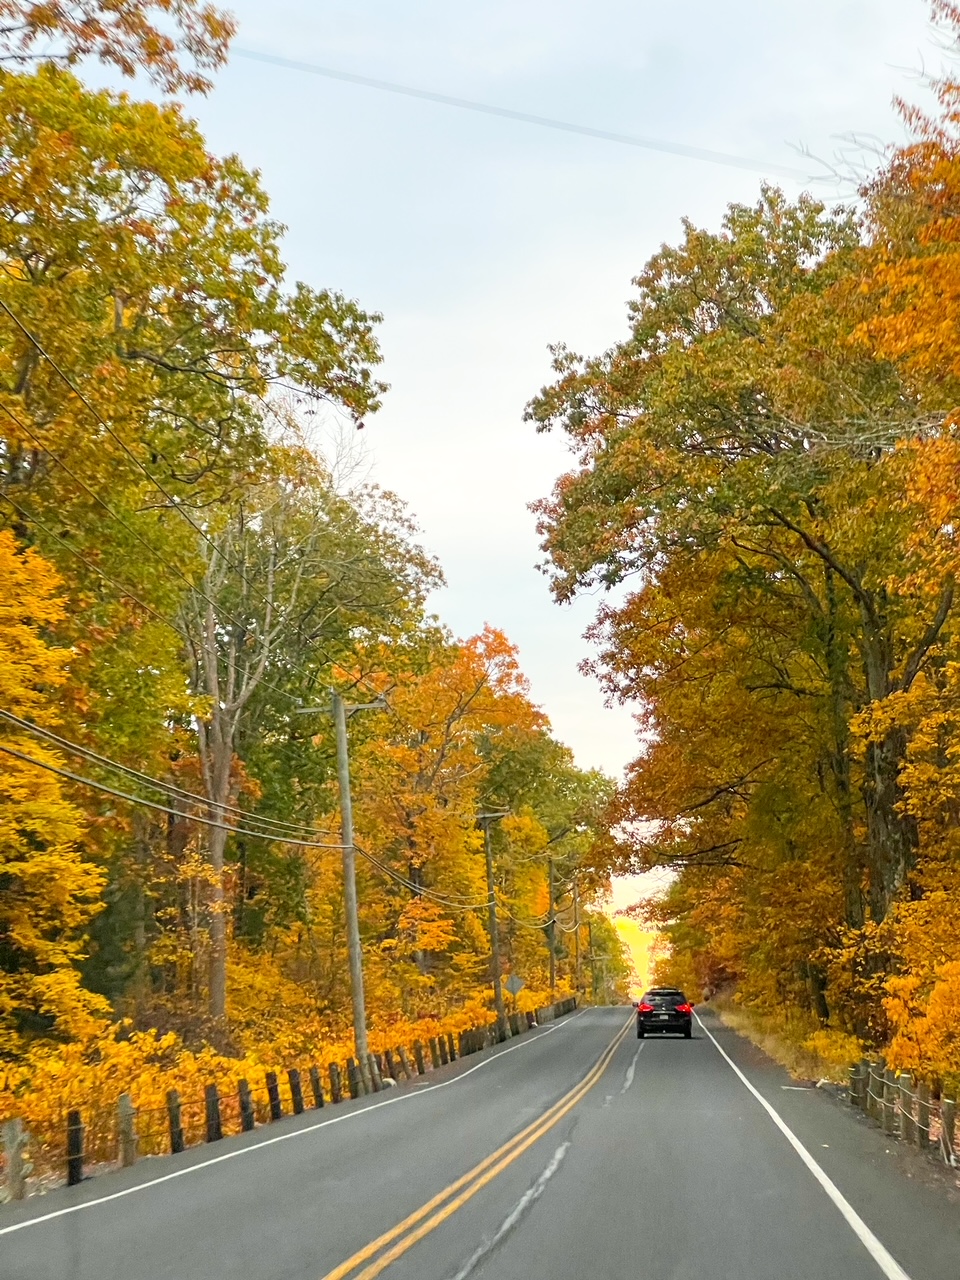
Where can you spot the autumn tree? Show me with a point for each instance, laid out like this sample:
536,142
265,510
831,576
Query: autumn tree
736,474
176,42
48,893
296,580
133,410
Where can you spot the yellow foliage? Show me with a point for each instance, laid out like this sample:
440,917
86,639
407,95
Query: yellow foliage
49,893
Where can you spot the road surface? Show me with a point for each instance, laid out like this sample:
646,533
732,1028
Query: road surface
575,1152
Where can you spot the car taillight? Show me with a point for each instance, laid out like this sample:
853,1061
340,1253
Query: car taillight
644,1008
684,1008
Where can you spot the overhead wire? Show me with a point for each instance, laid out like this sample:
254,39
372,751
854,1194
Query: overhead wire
526,117
453,902
158,784
270,829
161,808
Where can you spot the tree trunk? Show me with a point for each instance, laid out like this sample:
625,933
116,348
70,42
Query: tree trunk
841,699
218,926
217,755
891,835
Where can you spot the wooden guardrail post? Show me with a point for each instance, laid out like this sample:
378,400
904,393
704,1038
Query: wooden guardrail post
908,1125
248,1116
353,1079
444,1055
336,1084
296,1091
404,1063
74,1148
875,1093
273,1093
127,1130
316,1088
890,1093
376,1078
175,1121
419,1059
451,1047
855,1089
17,1165
948,1130
435,1052
211,1106
865,1084
391,1064
923,1116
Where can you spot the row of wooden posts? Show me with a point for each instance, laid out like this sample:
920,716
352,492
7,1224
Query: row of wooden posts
906,1108
383,1070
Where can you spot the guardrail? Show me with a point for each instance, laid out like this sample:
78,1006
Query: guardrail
906,1108
82,1145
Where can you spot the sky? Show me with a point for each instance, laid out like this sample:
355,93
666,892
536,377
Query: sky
482,240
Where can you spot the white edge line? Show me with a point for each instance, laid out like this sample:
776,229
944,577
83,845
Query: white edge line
282,1137
880,1254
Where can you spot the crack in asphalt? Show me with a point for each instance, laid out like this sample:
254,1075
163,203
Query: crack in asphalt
519,1210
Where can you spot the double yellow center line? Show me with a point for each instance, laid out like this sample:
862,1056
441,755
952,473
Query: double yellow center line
429,1216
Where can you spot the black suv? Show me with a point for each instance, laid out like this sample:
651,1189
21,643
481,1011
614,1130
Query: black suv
665,1009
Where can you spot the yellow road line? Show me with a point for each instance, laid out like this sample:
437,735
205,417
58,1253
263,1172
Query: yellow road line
477,1178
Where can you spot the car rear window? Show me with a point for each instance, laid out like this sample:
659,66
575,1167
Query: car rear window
665,999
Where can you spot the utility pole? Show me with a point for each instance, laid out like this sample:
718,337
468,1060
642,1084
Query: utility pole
576,933
485,819
552,930
350,889
340,711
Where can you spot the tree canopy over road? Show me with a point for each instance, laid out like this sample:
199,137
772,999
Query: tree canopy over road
766,476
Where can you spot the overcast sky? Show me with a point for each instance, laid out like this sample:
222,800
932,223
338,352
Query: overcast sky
483,239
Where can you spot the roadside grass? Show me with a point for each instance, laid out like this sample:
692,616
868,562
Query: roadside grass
804,1048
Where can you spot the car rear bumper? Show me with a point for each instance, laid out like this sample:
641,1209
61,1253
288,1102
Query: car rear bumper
672,1026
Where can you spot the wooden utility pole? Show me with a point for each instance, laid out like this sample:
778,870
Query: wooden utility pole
552,930
352,916
350,889
576,933
485,819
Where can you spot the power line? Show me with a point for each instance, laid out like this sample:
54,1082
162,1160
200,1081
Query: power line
168,788
525,117
160,808
454,903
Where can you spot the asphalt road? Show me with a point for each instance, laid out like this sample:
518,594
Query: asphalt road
567,1154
